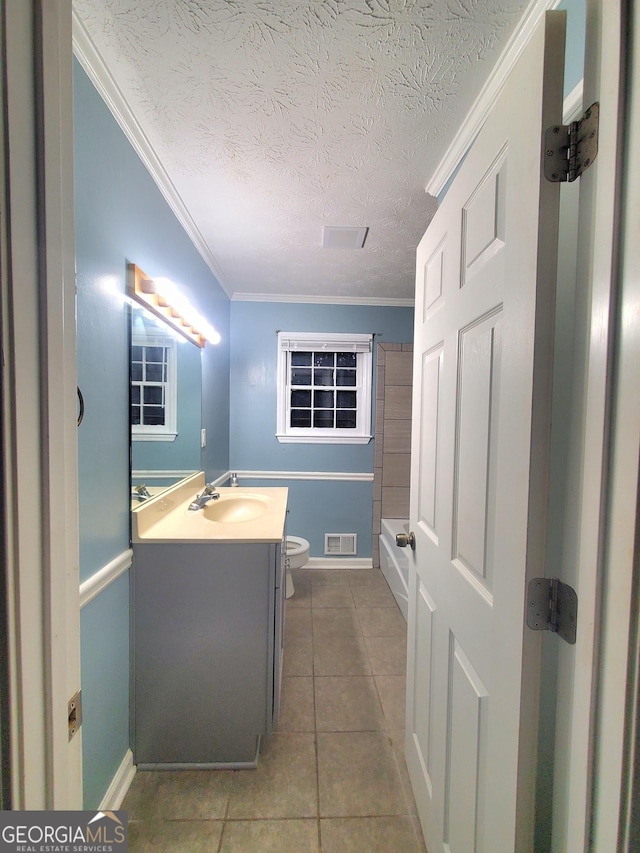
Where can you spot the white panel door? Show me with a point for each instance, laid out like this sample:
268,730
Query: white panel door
482,371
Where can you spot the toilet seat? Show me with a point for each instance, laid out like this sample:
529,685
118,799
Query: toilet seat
297,553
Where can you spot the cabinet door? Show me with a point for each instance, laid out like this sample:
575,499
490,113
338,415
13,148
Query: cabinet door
203,634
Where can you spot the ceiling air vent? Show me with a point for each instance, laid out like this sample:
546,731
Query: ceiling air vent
342,544
343,237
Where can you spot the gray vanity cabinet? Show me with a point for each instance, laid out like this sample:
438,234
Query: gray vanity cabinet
207,651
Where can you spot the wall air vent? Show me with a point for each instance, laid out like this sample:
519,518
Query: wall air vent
341,544
343,237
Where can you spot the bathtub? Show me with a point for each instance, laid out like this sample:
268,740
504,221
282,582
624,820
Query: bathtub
394,562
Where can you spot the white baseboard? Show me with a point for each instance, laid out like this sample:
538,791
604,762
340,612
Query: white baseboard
117,790
339,563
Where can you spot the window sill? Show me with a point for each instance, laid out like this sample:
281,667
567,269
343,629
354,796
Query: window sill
322,439
154,436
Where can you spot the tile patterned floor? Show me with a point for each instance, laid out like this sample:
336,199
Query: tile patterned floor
332,779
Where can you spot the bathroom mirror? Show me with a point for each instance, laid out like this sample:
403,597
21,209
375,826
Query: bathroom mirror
165,411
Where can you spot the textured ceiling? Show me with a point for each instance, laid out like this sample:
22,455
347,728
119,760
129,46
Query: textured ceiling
273,118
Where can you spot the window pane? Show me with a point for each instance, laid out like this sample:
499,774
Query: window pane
301,398
346,359
322,376
155,353
323,420
345,419
300,417
136,372
323,399
323,359
345,377
135,415
135,394
155,373
136,353
153,415
300,359
152,395
300,376
346,400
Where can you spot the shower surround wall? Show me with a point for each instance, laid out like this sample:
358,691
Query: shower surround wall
392,469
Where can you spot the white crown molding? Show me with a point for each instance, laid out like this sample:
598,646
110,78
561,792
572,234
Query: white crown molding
382,302
92,62
478,113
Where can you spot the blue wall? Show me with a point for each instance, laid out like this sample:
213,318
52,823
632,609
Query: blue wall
574,56
120,217
317,506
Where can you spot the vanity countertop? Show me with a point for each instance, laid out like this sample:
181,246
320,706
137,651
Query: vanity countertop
238,515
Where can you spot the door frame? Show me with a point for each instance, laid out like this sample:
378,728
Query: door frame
616,723
37,263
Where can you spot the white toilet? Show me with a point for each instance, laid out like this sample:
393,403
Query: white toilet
296,556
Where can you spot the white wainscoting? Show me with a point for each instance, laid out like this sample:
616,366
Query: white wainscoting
305,475
105,576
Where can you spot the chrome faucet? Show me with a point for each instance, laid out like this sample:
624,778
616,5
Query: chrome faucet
140,493
209,494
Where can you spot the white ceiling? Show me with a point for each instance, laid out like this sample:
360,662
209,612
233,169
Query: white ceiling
273,118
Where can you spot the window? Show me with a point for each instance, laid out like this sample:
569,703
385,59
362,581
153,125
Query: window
153,388
324,388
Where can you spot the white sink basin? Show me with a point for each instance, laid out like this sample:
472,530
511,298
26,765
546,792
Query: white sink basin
235,508
240,514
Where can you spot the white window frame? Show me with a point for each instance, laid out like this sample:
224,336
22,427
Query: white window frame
362,344
169,430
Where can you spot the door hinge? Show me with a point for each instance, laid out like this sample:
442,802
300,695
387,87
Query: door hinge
74,709
569,149
552,606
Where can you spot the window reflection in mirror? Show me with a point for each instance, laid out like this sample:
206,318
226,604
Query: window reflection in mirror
165,413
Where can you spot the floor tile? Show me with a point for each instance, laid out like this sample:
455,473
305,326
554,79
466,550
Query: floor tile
340,656
192,795
301,596
364,576
331,595
398,746
298,655
337,576
284,783
415,820
270,836
162,836
387,655
392,693
297,712
297,622
135,791
372,595
358,775
335,622
382,622
348,704
369,835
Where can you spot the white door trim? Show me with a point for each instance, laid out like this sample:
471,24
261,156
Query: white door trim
586,743
38,291
617,696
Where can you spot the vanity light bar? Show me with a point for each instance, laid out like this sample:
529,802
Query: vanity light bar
163,299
